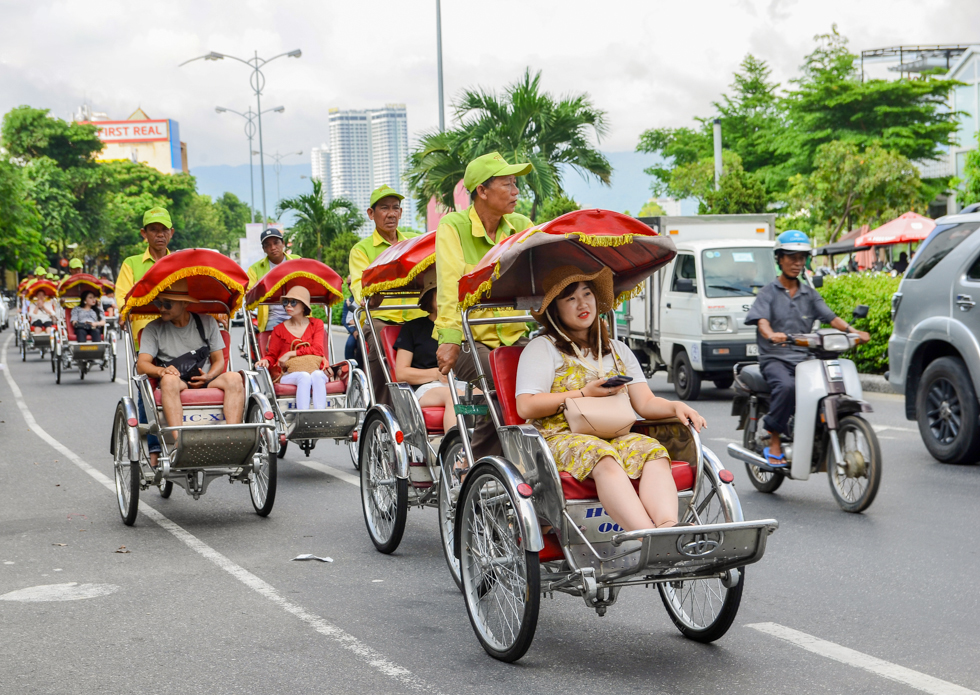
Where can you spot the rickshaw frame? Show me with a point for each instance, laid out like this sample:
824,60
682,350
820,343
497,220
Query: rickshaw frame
77,351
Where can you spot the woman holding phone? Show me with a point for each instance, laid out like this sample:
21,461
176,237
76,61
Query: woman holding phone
575,358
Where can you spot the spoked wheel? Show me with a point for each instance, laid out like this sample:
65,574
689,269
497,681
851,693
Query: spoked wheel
855,484
54,358
127,473
763,481
501,580
57,373
23,351
449,485
704,609
282,450
166,488
112,367
262,481
356,398
384,497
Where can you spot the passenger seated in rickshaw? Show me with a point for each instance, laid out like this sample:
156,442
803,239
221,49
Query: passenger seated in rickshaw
40,312
415,359
185,351
564,364
298,336
87,318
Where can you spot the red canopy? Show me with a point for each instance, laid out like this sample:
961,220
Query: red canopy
216,281
45,285
321,280
400,266
588,239
909,227
74,285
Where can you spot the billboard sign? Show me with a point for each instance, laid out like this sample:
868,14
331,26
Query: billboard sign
133,131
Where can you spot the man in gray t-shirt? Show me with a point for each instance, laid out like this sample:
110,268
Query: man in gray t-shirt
174,334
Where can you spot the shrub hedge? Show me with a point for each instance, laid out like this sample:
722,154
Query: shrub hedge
844,292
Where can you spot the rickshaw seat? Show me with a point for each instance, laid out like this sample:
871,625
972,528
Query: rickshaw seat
70,329
289,390
503,368
211,397
585,490
389,334
263,341
433,418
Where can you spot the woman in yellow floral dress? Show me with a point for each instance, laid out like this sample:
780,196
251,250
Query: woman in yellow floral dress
573,359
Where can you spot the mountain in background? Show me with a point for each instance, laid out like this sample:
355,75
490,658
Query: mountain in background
629,190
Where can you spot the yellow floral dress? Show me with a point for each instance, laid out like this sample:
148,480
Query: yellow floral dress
578,454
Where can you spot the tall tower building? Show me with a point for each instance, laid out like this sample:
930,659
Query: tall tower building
320,166
389,152
350,156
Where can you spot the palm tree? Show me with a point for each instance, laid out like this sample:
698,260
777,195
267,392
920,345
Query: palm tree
524,125
319,224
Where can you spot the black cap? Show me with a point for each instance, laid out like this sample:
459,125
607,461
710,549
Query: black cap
270,232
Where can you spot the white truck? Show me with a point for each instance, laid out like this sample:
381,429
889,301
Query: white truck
690,316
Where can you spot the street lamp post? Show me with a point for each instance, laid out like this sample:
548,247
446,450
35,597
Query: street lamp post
277,167
257,81
442,109
249,117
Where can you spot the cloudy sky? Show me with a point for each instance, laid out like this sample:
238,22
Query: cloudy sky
646,62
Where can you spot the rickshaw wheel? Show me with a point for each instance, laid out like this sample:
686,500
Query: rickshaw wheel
262,482
704,609
112,368
447,508
81,370
57,377
356,398
501,580
282,450
127,473
53,360
384,497
166,488
761,480
855,484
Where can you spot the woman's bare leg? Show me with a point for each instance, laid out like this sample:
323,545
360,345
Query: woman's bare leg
618,497
658,492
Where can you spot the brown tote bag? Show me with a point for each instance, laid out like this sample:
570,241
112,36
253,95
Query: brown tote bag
301,363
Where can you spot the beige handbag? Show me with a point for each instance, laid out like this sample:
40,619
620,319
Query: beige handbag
301,363
606,417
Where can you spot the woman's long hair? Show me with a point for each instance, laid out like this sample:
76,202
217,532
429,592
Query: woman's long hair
598,340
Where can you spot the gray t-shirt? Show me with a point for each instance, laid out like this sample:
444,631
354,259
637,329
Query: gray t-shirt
165,341
277,314
787,314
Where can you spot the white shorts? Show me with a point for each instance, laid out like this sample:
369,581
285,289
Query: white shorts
423,388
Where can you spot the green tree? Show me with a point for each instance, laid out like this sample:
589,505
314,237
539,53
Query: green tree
318,224
849,188
30,133
651,208
234,213
337,254
969,187
739,191
524,124
21,243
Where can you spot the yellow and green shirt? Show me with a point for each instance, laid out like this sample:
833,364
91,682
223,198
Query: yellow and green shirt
256,272
461,243
363,255
132,271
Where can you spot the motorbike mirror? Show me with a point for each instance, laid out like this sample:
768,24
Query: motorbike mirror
860,311
818,281
685,285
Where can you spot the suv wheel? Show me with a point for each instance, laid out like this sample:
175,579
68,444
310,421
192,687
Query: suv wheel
946,409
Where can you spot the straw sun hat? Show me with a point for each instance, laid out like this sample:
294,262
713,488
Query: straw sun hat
301,293
560,278
178,292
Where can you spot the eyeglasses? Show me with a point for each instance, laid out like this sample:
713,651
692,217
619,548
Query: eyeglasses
287,301
164,304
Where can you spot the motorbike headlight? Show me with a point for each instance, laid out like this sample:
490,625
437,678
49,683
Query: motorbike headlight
836,343
718,324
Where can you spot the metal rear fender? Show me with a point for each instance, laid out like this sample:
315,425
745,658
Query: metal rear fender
127,408
387,415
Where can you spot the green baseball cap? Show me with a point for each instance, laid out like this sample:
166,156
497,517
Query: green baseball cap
75,263
40,270
157,215
385,191
482,168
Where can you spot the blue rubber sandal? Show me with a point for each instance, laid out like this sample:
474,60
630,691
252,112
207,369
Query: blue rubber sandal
770,458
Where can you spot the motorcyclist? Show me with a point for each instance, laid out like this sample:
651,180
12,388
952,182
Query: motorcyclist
783,307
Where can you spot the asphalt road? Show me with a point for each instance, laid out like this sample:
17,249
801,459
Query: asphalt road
206,599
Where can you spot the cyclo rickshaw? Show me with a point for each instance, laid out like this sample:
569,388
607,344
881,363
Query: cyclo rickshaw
523,530
207,448
68,351
36,338
305,427
401,449
111,311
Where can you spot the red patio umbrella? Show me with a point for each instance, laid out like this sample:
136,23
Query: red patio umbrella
902,230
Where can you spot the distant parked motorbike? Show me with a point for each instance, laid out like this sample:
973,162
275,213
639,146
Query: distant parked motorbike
828,432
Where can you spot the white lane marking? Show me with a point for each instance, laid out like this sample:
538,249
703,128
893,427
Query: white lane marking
72,591
373,658
885,428
880,667
346,477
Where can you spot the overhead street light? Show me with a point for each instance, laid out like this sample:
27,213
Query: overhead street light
249,117
277,167
257,82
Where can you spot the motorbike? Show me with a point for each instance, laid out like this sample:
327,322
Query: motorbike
828,432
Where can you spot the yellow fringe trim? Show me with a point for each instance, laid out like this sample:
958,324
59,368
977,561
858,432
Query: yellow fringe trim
164,284
629,294
481,291
419,268
293,276
595,241
62,290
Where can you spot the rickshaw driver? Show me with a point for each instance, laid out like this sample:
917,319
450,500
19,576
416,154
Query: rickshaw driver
175,334
38,274
275,253
462,240
782,307
385,210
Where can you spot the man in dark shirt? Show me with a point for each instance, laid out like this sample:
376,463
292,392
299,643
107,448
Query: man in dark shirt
786,306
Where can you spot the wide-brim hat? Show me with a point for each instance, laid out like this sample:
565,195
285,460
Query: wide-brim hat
561,277
428,284
301,293
178,292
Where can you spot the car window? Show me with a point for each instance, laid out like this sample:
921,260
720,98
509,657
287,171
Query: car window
974,272
944,239
737,272
684,268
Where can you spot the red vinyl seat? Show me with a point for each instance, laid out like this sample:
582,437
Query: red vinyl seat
432,415
433,418
72,336
585,490
338,385
212,397
503,367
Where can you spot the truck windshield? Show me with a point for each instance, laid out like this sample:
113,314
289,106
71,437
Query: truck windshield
739,272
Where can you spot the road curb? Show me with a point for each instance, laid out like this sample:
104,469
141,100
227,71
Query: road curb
876,383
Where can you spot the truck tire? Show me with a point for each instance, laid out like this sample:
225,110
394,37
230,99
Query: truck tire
946,410
687,382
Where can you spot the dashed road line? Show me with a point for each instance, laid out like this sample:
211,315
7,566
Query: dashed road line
367,654
879,667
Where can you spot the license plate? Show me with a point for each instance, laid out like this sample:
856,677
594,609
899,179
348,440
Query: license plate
751,350
88,347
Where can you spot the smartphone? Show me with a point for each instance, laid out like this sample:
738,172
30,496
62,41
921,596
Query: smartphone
616,381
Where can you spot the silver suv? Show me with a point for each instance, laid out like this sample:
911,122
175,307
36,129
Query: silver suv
934,350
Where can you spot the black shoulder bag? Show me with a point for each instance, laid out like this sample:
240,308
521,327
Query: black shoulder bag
190,364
